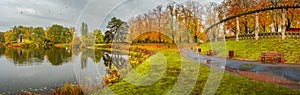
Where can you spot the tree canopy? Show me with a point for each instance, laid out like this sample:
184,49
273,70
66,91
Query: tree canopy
99,36
2,40
59,34
118,30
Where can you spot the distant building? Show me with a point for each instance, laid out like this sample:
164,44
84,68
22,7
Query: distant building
21,38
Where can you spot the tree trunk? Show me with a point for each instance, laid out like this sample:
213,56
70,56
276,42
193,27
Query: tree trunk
283,24
224,32
173,40
246,25
264,28
195,39
274,22
256,26
288,26
216,33
195,36
188,39
238,29
180,40
159,38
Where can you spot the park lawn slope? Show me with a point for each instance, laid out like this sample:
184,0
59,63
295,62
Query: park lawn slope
230,84
252,49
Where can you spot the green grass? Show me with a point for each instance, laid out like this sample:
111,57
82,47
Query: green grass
251,49
230,84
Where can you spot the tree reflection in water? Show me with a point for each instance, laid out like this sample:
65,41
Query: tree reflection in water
56,56
2,50
116,60
114,63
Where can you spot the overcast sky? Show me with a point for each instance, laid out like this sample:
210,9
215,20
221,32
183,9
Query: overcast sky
71,13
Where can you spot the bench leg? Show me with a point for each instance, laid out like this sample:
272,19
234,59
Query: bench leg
263,59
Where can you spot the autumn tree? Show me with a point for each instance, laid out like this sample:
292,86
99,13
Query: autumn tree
158,14
10,36
211,18
99,36
2,40
59,34
13,34
85,37
196,13
173,12
84,29
118,30
38,35
108,36
181,22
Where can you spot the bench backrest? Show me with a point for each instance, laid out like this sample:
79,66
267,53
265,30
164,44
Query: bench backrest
272,54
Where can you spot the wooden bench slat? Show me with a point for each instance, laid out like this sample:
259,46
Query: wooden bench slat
272,56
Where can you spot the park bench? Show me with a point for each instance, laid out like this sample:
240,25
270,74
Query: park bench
272,57
211,52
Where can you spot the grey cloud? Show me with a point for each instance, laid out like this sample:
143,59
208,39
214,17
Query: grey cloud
39,12
70,12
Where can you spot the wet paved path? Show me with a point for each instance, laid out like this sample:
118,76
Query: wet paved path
283,74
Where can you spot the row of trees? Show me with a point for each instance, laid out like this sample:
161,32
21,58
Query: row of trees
117,32
266,21
175,23
89,38
186,22
53,34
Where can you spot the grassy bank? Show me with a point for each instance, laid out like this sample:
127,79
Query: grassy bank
251,49
22,45
230,84
62,45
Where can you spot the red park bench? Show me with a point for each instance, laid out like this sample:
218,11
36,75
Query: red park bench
211,52
272,57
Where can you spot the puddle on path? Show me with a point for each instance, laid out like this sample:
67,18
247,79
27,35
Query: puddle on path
267,77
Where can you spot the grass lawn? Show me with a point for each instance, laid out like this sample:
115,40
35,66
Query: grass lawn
251,49
230,84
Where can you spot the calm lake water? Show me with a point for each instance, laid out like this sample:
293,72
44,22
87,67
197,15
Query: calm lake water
40,70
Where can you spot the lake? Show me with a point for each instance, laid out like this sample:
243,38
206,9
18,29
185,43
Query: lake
40,70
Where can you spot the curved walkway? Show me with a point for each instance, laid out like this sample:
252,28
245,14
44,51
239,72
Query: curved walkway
283,74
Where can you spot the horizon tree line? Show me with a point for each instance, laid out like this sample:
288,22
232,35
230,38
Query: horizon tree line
53,34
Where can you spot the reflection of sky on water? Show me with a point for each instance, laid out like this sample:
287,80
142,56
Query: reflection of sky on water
16,78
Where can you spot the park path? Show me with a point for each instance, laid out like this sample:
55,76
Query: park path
282,74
